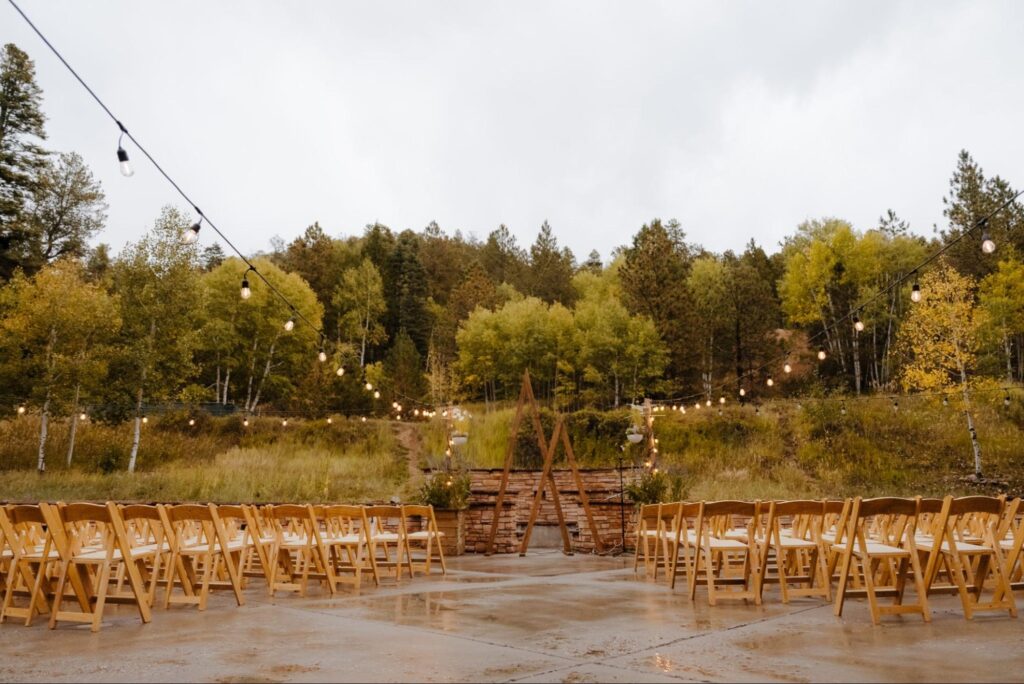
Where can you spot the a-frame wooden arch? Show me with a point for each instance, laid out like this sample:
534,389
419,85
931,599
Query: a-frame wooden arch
528,402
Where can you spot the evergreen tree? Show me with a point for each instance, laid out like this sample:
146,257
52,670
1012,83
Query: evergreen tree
551,269
503,258
21,156
406,292
212,257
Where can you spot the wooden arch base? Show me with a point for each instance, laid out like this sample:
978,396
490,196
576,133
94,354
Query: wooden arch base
528,402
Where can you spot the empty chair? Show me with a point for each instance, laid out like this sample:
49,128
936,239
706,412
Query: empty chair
800,553
346,535
388,542
426,533
724,560
882,561
28,554
196,557
298,553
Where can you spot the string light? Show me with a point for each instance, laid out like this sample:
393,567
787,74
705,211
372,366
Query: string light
82,416
289,325
145,419
1006,399
191,234
21,410
858,324
697,405
945,400
895,405
363,419
246,291
709,402
786,368
340,371
376,394
743,392
915,293
245,422
369,387
322,356
191,422
988,245
284,422
122,157
330,421
721,400
822,355
770,382
842,408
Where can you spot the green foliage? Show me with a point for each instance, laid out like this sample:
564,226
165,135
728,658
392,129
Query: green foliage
655,486
449,491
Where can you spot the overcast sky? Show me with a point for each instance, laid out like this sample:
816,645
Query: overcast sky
739,119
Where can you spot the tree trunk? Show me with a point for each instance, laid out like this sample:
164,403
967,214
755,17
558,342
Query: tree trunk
44,420
252,375
856,361
137,432
227,383
975,445
1008,347
266,373
216,384
74,425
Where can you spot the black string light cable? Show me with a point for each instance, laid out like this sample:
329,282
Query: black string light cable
122,156
988,246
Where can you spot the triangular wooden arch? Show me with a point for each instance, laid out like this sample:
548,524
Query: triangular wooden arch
527,401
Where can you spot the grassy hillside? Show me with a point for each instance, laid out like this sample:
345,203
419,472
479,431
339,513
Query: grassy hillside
791,448
215,460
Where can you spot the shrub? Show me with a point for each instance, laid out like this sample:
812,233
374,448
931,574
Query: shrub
446,491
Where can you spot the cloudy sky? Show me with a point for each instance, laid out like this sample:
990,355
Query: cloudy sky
739,119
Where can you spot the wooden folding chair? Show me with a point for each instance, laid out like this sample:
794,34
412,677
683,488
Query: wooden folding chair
1010,535
800,554
421,528
346,535
963,541
681,540
298,552
195,549
388,534
28,560
240,542
647,526
725,560
90,541
149,538
886,557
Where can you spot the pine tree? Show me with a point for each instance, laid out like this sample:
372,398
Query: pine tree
406,292
21,156
551,269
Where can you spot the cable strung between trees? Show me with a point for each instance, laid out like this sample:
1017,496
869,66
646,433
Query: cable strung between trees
192,233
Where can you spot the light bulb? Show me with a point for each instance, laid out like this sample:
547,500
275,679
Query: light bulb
246,292
363,419
21,410
376,394
858,324
191,235
721,400
284,423
245,422
1006,400
915,293
126,166
895,405
340,371
821,355
787,368
757,410
770,382
842,409
988,245
415,412
330,421
145,419
290,325
709,402
945,401
322,356
683,409
82,416
697,405
394,404
369,387
743,392
191,421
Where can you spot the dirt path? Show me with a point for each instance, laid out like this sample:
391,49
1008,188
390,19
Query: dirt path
410,439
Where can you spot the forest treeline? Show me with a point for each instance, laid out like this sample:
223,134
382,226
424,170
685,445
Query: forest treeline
430,316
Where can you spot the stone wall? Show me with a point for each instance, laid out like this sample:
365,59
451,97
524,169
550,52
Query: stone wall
602,488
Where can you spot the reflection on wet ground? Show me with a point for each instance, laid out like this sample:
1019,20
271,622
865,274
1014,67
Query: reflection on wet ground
545,617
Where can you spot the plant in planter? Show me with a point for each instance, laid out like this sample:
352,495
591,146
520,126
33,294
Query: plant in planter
448,493
656,486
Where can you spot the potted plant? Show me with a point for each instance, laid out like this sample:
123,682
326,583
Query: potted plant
448,492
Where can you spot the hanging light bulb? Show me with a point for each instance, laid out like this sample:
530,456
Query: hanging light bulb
191,421
363,419
786,368
82,416
709,402
915,293
322,356
330,421
340,371
945,400
858,324
842,408
21,410
245,422
284,422
743,392
126,166
145,419
191,234
757,410
289,325
246,291
988,245
895,405
770,382
369,387
1006,399
683,409
721,400
697,405
822,355
376,395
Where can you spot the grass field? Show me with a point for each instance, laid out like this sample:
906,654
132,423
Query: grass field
790,449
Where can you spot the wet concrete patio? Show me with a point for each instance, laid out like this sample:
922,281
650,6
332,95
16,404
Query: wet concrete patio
543,618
